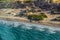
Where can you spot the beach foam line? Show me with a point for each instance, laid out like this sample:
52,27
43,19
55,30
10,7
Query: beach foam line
30,26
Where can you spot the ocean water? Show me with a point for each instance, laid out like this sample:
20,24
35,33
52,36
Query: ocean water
10,30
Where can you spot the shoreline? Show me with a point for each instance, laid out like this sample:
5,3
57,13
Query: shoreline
20,19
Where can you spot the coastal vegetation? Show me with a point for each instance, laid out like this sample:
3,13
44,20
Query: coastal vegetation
43,15
37,17
27,1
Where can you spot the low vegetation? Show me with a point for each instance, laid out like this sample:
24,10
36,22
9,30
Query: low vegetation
37,17
28,1
43,15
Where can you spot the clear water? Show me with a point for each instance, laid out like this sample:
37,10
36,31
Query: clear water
10,30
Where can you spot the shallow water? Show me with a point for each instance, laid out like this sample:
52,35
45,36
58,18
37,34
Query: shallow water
10,30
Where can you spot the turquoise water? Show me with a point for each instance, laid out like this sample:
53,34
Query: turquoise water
10,30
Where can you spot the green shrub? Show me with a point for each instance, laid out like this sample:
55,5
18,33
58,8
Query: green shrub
35,17
27,1
43,15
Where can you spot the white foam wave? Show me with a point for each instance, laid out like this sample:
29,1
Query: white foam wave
30,25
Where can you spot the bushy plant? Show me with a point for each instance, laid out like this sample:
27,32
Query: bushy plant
28,1
35,17
43,15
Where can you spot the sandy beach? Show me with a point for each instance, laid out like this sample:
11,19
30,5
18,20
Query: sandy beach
9,17
22,19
